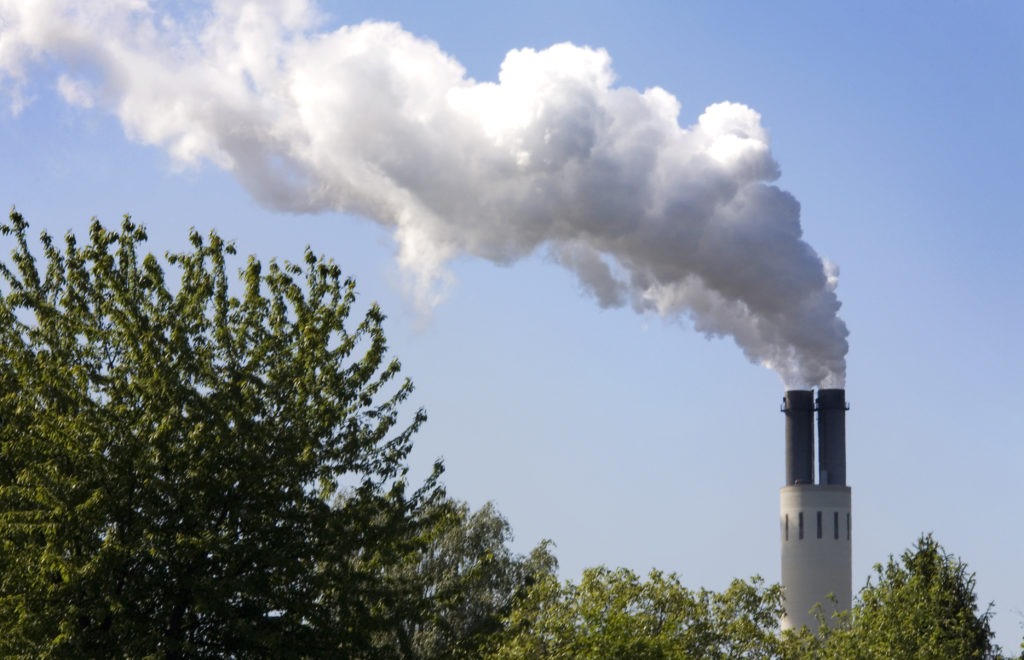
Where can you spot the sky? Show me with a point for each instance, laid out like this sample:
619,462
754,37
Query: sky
529,241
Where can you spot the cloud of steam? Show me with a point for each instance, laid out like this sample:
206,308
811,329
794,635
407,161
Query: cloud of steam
554,156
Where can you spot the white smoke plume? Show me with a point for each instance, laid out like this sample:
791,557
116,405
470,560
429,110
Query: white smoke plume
554,156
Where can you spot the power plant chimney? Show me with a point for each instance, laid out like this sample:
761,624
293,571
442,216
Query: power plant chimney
815,517
832,437
799,408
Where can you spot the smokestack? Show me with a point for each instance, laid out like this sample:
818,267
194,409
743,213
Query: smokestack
832,436
799,408
815,522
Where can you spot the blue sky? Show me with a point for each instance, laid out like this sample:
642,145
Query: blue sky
633,440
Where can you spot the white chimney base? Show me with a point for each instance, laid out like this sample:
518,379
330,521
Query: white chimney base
816,552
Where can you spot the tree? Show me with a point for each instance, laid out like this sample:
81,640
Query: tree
616,614
459,584
169,454
920,606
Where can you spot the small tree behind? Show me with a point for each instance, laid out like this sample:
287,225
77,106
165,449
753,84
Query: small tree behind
458,586
169,453
615,614
922,605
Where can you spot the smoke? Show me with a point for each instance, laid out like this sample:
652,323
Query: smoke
552,157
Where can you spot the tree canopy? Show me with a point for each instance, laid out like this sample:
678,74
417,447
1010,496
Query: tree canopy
921,605
170,451
460,584
191,472
614,613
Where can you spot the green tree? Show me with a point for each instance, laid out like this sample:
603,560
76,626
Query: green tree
459,584
616,614
922,605
169,454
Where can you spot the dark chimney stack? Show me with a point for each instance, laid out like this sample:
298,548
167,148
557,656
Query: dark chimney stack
799,408
832,437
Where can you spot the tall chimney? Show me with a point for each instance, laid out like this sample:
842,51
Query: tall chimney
814,518
832,437
799,408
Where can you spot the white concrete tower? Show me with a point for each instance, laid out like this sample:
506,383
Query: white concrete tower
815,517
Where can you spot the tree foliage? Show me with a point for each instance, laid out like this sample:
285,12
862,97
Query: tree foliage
459,584
617,614
169,453
185,472
922,605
